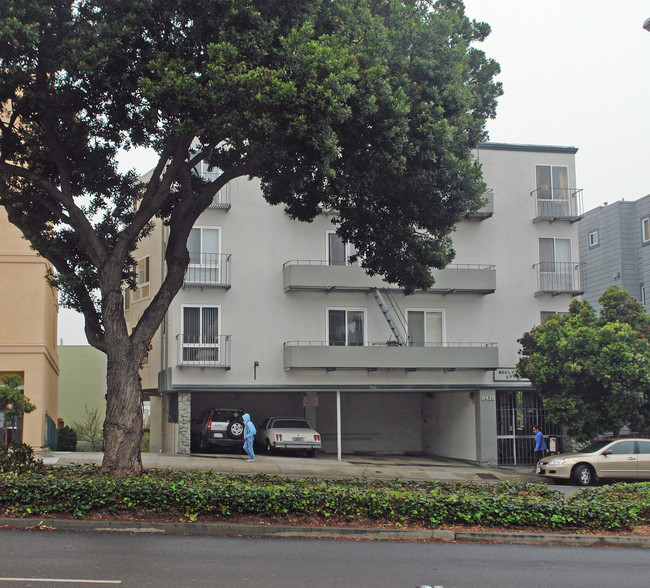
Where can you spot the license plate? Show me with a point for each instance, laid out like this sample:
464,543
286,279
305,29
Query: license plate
539,470
218,435
298,439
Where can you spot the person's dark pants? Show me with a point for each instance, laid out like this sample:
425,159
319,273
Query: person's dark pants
539,455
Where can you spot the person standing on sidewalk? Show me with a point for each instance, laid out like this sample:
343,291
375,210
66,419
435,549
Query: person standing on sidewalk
249,436
540,445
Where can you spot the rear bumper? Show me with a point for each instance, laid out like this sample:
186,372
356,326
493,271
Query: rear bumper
289,445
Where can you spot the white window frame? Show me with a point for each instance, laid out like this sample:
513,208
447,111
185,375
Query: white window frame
593,239
200,344
443,340
645,230
143,288
202,263
211,176
349,249
347,309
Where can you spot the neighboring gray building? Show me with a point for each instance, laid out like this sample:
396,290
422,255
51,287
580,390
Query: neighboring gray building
615,248
273,318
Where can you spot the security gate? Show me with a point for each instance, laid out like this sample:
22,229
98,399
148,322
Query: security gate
517,412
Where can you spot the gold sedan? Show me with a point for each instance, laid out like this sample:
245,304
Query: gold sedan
619,459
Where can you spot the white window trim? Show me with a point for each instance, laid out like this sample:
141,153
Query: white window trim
217,344
202,228
346,244
347,309
441,310
552,165
593,239
645,230
136,295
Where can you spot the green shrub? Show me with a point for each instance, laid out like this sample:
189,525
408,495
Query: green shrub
67,439
18,458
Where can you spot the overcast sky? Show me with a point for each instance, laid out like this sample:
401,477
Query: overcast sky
574,73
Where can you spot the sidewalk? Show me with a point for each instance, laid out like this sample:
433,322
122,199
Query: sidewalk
421,468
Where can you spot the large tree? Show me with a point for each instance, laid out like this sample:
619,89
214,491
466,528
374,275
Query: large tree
367,107
591,370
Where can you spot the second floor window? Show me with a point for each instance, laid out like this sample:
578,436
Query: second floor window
425,327
346,326
556,267
645,230
200,333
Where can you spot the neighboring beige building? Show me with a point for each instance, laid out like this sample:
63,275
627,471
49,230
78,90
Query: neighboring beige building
28,330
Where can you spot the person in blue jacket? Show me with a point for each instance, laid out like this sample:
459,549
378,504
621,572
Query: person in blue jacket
249,436
540,445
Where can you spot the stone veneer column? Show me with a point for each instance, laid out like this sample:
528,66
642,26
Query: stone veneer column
184,421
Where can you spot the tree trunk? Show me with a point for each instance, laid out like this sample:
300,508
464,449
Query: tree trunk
123,427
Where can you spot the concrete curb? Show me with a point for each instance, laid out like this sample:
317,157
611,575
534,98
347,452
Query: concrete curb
238,530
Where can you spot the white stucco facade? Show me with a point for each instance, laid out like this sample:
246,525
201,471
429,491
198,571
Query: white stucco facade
277,294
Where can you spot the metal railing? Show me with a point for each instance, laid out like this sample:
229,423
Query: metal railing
221,199
560,277
203,350
208,270
558,203
389,343
325,262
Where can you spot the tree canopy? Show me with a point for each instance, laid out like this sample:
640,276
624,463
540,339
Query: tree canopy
370,109
592,370
13,403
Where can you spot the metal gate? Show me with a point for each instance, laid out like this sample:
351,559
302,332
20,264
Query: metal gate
51,433
517,412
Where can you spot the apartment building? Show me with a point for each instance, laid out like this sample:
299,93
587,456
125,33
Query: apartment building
275,319
615,247
28,329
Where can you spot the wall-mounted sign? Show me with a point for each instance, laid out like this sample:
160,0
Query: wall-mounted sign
507,375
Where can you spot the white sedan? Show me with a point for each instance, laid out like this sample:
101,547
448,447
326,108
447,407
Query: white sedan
288,434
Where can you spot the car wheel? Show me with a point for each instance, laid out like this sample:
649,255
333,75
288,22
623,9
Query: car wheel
269,448
583,475
236,429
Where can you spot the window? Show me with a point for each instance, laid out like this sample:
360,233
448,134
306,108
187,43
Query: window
142,289
346,326
338,251
425,327
593,239
643,299
211,174
623,448
556,267
645,230
203,245
552,190
200,334
547,314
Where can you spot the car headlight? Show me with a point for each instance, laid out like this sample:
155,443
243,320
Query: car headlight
557,462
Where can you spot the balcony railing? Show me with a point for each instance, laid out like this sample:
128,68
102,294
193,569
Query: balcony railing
221,200
208,270
203,351
560,277
378,355
323,276
487,210
553,204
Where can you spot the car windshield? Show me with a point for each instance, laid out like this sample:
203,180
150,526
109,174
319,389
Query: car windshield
597,446
290,424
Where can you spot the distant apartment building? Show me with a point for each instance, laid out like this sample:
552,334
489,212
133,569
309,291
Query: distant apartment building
28,329
274,318
615,247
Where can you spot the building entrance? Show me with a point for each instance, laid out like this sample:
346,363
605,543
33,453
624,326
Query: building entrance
517,412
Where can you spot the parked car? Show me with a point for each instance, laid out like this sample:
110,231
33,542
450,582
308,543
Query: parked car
218,428
288,434
619,459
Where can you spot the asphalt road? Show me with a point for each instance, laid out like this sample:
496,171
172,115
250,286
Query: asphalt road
40,558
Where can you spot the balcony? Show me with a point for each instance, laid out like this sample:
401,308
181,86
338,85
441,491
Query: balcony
555,278
557,204
321,276
386,355
203,351
221,200
487,210
208,270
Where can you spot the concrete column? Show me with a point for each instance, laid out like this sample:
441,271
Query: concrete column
486,427
184,421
